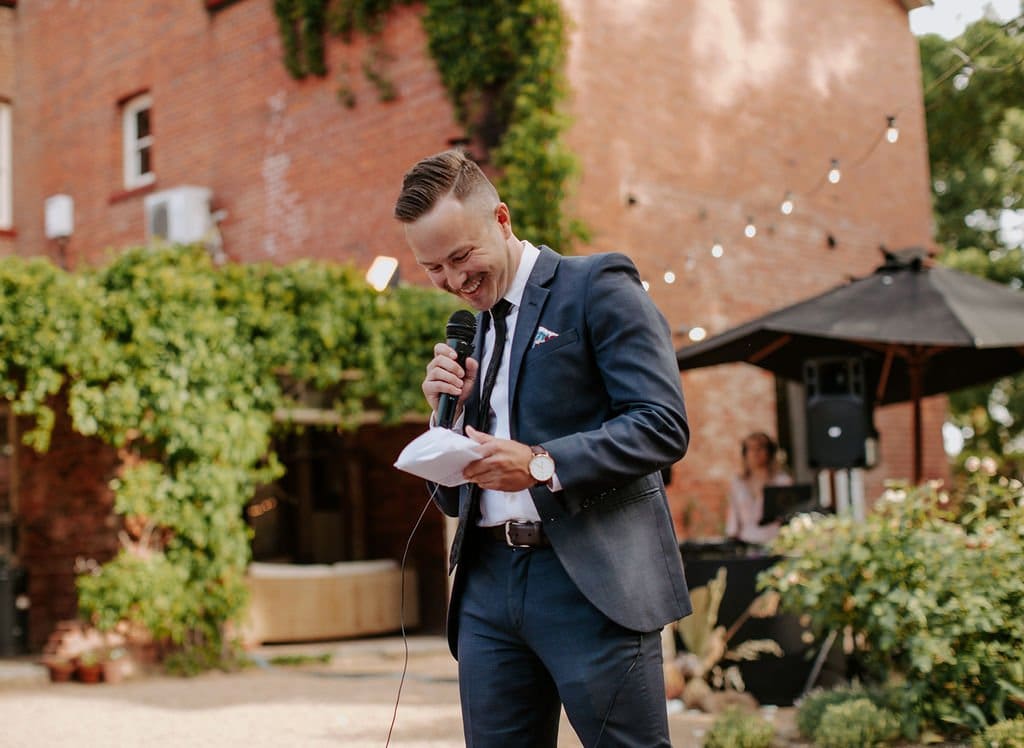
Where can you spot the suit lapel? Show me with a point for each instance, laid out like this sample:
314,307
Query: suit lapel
535,296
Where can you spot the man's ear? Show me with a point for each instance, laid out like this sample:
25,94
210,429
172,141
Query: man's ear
504,218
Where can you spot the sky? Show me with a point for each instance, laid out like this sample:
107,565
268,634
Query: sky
948,18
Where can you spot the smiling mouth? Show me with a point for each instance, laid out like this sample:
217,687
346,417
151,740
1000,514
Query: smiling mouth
472,287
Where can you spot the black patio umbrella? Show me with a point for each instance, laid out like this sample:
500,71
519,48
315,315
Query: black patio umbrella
922,329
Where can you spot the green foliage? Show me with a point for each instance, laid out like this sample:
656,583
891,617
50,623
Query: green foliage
181,367
501,63
975,119
991,416
1006,734
812,707
855,723
735,728
302,24
975,131
891,700
506,84
930,586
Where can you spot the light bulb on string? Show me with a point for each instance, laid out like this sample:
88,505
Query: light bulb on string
892,133
834,175
670,277
963,78
697,334
750,230
717,250
787,204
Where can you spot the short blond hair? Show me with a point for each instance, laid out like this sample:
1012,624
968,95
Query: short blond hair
434,178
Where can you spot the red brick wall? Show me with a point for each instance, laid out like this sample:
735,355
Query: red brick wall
65,513
298,174
705,113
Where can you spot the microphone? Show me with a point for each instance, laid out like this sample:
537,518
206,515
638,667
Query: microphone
460,331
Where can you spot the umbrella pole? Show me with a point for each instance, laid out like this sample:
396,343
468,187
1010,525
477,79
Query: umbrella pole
915,396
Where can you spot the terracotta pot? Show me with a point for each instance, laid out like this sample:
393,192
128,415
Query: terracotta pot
91,673
60,670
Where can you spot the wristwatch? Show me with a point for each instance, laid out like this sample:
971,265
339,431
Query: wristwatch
542,467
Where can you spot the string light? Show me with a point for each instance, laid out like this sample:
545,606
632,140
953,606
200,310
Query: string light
697,334
750,230
787,204
892,133
962,79
670,277
834,175
717,250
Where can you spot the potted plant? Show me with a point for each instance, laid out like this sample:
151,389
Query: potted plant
60,668
90,667
117,665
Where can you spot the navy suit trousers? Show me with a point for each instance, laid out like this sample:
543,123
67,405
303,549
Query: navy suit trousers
529,642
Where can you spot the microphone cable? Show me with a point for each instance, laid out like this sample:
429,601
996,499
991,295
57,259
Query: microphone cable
401,612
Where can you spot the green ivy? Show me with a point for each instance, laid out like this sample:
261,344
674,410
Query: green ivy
181,366
501,63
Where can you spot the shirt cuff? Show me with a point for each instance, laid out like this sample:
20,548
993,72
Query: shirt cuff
458,426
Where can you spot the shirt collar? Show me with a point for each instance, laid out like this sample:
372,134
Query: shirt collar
526,263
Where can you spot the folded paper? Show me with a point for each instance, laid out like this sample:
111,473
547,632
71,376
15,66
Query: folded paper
440,455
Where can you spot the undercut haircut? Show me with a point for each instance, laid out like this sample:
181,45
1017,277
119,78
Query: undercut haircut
434,178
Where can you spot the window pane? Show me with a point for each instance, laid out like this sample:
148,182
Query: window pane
144,166
142,123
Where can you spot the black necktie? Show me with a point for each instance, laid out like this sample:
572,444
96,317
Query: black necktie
498,313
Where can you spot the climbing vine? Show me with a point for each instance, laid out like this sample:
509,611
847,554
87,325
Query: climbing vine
181,366
501,63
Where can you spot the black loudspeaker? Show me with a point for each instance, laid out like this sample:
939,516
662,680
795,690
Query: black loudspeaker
838,413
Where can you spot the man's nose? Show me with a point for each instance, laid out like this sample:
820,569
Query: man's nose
454,278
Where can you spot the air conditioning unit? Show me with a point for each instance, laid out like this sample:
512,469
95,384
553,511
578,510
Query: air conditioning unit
180,215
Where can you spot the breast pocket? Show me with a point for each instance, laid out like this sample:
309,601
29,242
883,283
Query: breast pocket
549,346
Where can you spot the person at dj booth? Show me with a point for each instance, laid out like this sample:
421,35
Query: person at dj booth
746,492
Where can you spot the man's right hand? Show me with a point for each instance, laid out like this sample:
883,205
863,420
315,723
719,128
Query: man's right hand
444,375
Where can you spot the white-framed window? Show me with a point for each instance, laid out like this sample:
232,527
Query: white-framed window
137,116
6,182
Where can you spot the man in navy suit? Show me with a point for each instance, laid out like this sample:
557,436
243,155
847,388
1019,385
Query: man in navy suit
566,562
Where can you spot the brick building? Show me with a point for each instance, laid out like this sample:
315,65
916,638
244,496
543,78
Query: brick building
689,120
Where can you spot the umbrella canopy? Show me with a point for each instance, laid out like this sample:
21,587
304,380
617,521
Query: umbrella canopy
921,329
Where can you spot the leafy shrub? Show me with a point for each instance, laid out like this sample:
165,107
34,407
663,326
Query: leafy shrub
930,586
1006,734
735,728
855,723
812,707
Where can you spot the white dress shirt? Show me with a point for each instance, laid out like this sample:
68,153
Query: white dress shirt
496,507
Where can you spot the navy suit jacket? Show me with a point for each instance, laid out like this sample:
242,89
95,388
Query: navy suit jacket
603,397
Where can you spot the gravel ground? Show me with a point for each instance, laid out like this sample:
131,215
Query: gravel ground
347,702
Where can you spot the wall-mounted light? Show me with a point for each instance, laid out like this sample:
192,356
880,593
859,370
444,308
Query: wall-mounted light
787,204
834,175
383,272
59,222
892,133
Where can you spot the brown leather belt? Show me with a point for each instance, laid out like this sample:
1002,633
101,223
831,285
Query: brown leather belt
519,534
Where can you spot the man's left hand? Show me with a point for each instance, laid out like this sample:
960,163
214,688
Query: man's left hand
505,465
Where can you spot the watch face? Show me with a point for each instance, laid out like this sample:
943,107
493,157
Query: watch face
542,467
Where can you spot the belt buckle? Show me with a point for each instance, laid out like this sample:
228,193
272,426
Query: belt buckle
508,536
